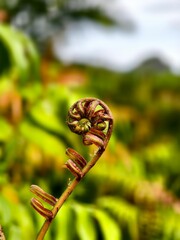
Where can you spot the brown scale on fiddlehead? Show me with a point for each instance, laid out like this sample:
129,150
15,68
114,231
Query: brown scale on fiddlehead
91,118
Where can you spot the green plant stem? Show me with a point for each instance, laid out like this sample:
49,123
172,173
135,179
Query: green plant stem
67,192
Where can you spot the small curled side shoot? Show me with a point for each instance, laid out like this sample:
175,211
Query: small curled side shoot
46,197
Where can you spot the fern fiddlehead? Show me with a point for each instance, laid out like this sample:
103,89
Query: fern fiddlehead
92,119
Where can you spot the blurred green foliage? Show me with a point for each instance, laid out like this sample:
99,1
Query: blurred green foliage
41,19
132,193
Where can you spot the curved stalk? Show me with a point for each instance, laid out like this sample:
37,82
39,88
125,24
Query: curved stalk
91,118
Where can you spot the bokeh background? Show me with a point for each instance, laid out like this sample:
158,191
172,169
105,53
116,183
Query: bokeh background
53,52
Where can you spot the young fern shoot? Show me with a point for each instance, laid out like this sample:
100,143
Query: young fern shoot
92,119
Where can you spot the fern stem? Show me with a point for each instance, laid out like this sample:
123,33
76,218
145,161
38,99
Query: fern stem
84,108
67,193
